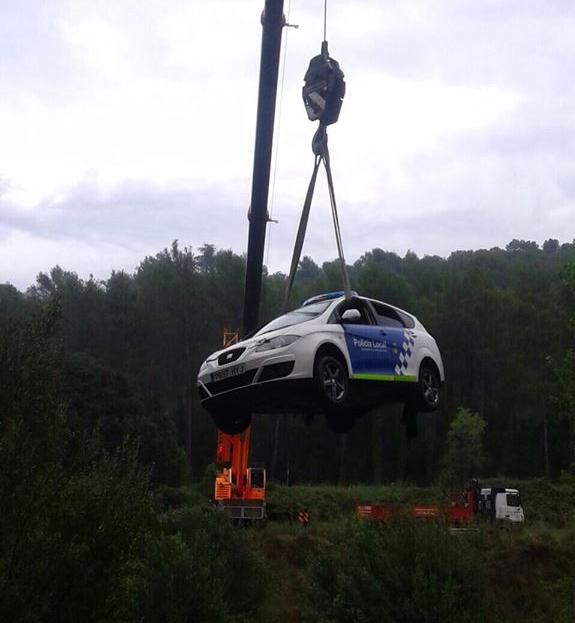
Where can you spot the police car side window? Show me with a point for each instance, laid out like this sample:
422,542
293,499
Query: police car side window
407,320
387,317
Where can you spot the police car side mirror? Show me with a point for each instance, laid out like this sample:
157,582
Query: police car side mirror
351,316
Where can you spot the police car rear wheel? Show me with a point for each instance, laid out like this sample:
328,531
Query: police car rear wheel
333,382
231,422
429,387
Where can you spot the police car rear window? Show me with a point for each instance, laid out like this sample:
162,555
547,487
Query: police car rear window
297,316
388,317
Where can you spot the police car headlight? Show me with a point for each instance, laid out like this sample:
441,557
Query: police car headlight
208,362
276,342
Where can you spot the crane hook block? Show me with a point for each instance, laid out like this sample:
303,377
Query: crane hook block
324,88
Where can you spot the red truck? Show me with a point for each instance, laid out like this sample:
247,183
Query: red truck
458,512
495,504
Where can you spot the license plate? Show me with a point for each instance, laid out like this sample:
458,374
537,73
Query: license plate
227,372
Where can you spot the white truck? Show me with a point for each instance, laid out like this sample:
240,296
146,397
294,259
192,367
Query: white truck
501,505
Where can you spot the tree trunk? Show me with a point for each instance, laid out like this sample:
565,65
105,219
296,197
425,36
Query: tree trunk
342,457
546,445
376,444
402,442
275,446
188,412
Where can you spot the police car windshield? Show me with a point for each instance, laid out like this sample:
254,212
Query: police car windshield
297,316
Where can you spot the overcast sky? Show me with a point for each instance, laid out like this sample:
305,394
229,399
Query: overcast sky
125,124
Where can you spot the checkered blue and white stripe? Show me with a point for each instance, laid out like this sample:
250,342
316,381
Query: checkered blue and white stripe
405,353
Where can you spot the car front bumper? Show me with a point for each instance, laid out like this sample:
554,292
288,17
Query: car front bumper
266,381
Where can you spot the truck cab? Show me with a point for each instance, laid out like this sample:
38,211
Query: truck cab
501,504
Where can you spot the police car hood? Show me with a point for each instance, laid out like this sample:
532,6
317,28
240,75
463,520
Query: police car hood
301,329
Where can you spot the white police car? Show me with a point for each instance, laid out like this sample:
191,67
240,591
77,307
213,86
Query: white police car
333,355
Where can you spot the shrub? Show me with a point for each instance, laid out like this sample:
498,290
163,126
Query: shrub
464,454
396,573
202,569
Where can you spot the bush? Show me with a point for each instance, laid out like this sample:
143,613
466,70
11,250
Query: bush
76,557
463,458
175,497
177,584
200,568
397,573
329,502
74,518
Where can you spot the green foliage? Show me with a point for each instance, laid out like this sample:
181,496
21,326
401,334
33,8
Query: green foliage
134,342
176,584
552,504
102,398
80,536
563,394
564,398
530,574
172,498
397,572
206,485
73,516
200,569
463,457
328,502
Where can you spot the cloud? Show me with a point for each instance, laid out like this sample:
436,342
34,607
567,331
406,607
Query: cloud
135,213
125,125
86,228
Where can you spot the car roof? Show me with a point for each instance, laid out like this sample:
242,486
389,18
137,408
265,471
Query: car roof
327,296
337,294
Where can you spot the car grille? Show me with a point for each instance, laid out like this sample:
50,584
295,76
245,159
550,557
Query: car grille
230,355
233,382
276,371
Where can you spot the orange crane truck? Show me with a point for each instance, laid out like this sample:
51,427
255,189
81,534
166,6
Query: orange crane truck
239,489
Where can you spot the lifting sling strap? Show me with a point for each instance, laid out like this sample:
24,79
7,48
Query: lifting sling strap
323,93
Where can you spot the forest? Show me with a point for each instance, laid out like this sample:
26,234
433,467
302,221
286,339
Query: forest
132,345
101,426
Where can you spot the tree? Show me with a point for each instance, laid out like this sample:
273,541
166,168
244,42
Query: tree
464,454
134,343
308,269
525,246
564,397
551,246
564,370
74,518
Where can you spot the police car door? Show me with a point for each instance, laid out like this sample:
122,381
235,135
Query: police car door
363,338
399,342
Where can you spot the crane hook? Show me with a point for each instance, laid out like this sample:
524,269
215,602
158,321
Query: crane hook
324,88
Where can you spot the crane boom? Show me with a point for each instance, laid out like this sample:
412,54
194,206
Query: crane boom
238,488
272,23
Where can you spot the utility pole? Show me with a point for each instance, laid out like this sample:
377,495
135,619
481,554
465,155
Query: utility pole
272,23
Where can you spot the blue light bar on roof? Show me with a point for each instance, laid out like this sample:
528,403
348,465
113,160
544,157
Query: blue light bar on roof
327,297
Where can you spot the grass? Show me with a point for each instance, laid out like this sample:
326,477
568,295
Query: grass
550,503
528,574
327,502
